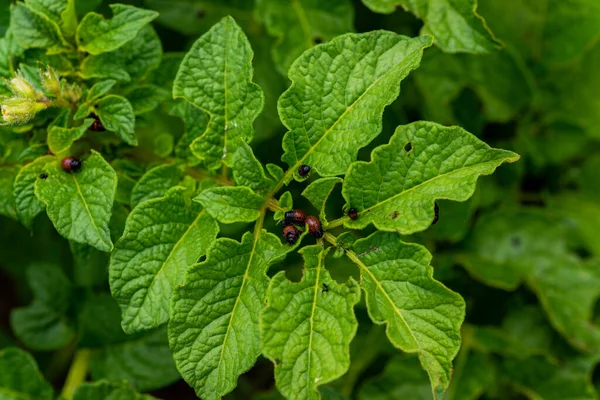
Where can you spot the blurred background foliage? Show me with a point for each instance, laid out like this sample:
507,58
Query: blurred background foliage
523,251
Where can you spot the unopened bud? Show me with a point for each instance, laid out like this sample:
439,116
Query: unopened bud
19,110
21,88
51,81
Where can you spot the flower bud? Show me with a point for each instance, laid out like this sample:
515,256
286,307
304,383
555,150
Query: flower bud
21,88
51,81
19,110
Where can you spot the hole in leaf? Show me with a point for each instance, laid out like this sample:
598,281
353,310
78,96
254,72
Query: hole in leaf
515,241
200,14
408,147
318,39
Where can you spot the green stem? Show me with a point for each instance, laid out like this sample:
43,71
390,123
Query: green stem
77,373
337,222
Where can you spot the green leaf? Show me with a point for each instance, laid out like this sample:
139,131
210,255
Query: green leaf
155,182
4,16
90,266
100,89
44,324
318,192
33,29
423,162
146,98
231,204
330,119
215,313
116,114
103,390
27,205
9,51
61,139
7,202
456,26
248,171
275,171
162,238
80,204
104,66
145,362
20,377
220,60
299,25
68,19
422,315
97,35
583,213
510,247
307,327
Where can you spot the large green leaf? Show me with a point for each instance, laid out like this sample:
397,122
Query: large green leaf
155,182
231,204
339,91
44,324
510,247
162,238
423,162
306,327
80,203
116,114
27,205
455,24
20,377
214,326
97,35
33,29
215,76
299,25
422,315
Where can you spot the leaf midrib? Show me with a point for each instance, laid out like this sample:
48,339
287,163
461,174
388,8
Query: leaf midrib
370,208
312,321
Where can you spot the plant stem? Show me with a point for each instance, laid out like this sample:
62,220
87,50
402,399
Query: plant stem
77,373
336,222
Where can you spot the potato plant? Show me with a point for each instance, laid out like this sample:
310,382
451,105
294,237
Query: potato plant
299,199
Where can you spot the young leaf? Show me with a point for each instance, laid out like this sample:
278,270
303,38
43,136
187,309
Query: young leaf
97,35
300,25
510,247
155,182
422,315
116,114
162,238
60,139
318,192
213,331
215,76
100,89
307,327
103,390
424,161
33,29
44,325
27,205
248,171
275,171
20,377
339,91
231,204
456,26
79,204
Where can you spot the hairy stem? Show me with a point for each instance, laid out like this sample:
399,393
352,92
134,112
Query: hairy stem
77,373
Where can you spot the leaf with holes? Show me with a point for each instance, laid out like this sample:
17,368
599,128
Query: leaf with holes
216,76
79,204
162,238
306,327
423,162
213,330
339,91
456,26
422,315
